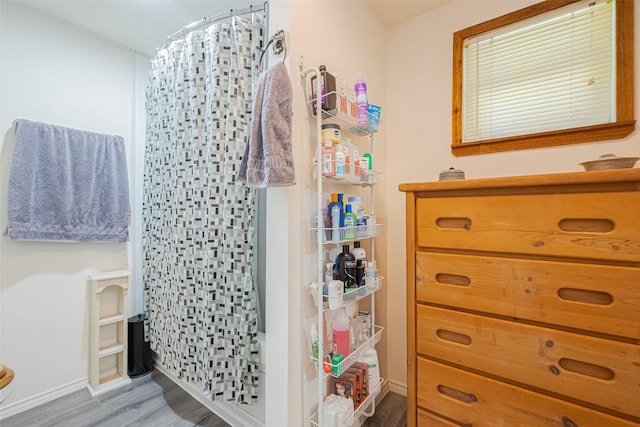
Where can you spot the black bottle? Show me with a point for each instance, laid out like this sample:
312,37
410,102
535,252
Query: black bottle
327,89
346,268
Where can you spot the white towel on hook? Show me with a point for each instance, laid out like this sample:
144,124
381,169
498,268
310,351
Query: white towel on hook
268,156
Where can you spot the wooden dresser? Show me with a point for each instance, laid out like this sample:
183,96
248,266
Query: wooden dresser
523,301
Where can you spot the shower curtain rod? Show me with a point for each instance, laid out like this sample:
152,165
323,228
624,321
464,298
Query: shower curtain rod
214,18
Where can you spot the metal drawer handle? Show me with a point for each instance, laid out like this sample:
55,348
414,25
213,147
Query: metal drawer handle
457,394
456,223
586,296
586,225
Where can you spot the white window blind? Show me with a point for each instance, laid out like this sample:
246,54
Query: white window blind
541,74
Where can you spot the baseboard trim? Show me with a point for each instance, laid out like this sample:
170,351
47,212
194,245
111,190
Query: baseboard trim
230,413
42,398
397,388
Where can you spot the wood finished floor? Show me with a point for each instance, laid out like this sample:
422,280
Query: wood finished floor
156,401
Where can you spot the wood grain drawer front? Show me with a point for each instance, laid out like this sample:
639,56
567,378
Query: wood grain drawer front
593,297
594,370
425,419
597,226
474,400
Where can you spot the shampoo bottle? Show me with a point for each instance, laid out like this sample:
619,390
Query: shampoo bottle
341,341
370,357
350,223
336,200
346,267
359,252
362,101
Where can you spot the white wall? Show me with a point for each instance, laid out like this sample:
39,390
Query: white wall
419,105
55,74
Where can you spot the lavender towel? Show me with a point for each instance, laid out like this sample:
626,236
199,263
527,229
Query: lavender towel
67,185
268,158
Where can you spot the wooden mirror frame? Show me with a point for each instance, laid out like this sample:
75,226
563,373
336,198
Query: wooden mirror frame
625,116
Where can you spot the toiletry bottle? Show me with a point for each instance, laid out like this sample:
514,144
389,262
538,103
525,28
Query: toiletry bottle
326,216
341,165
341,333
336,290
360,272
341,203
353,112
365,168
327,90
329,274
345,146
369,160
361,263
351,271
357,205
370,357
372,224
350,223
328,160
336,199
335,223
361,101
370,274
314,341
316,225
346,267
343,97
359,252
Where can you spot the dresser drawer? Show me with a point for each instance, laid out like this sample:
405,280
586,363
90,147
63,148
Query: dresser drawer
592,297
425,419
594,370
474,400
582,225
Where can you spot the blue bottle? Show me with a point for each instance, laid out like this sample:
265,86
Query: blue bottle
336,199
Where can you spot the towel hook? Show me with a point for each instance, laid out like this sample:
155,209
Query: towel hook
279,45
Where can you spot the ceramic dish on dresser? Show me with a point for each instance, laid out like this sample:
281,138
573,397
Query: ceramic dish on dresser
610,161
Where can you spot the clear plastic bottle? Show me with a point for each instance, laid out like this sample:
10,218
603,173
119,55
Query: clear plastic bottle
341,162
314,341
328,160
341,339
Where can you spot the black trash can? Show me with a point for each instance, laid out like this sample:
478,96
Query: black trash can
140,358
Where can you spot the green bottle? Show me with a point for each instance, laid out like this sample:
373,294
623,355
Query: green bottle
350,223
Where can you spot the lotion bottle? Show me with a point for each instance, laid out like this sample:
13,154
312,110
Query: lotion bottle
362,101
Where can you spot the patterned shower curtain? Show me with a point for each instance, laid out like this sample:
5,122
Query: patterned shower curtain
199,236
